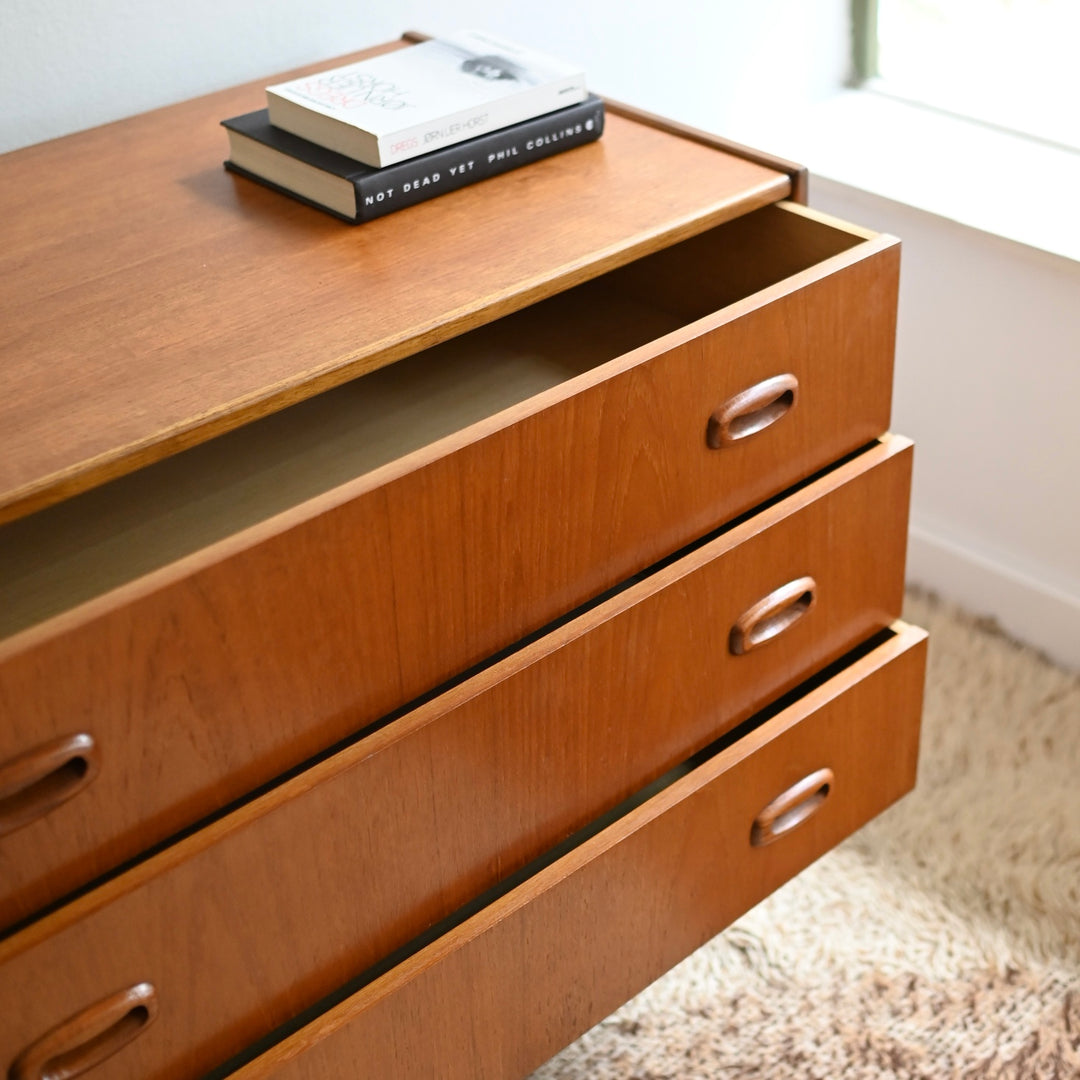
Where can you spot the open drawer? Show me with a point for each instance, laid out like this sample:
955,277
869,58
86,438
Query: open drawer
506,981
182,635
330,871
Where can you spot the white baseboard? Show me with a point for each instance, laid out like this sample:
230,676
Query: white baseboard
1026,609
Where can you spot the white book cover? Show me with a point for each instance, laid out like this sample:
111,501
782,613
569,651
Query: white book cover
421,98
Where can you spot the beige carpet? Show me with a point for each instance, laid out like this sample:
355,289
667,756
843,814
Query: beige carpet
942,941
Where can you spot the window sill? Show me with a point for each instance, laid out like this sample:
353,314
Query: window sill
1000,183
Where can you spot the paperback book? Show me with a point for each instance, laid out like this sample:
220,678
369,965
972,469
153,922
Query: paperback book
424,97
357,193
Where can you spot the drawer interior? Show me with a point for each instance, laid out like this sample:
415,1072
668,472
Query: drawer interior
79,549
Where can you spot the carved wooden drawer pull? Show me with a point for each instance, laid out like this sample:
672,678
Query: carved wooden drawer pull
792,808
752,410
772,615
41,779
89,1037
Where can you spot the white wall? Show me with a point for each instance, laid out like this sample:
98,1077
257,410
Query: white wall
988,385
988,372
66,65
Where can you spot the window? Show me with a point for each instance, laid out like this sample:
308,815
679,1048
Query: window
1009,63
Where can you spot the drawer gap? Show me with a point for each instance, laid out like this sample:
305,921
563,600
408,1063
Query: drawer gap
531,869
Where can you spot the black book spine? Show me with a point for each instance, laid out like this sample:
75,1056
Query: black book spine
409,182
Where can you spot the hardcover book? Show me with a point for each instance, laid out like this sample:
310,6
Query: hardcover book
424,97
357,192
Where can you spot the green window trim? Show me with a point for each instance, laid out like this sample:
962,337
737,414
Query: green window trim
864,40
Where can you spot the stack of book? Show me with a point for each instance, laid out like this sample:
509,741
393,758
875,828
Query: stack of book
369,138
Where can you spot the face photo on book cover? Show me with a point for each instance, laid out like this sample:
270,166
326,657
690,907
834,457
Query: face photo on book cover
494,68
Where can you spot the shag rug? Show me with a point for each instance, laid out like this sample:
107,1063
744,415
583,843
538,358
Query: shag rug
941,941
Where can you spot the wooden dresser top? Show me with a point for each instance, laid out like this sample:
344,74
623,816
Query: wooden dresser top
151,300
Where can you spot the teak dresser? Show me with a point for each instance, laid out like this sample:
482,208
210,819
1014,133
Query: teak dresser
405,725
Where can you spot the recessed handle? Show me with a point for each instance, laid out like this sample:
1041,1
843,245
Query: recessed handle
752,410
772,615
89,1037
41,779
792,808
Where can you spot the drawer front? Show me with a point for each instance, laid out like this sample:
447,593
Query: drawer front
211,676
352,858
503,991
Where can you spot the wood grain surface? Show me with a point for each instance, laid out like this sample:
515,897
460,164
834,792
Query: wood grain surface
210,676
226,557
498,995
152,300
57,559
402,828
